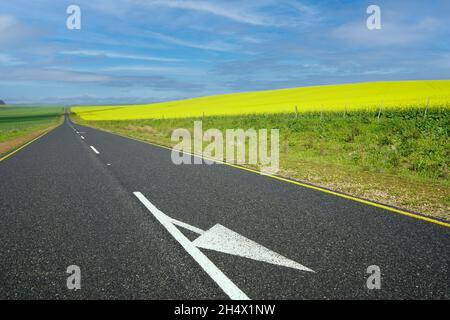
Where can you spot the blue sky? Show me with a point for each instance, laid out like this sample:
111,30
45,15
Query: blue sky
132,51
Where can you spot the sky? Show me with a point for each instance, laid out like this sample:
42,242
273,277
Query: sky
136,51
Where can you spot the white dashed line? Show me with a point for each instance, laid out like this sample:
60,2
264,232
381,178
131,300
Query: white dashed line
82,137
207,265
95,150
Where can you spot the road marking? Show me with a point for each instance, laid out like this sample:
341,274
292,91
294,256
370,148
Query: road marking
301,184
187,226
222,239
26,144
207,265
82,137
95,150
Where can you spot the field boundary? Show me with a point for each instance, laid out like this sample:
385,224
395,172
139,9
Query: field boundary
17,149
386,207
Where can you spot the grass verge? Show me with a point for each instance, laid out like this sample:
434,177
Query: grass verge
18,125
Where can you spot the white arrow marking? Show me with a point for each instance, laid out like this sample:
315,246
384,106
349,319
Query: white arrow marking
222,239
210,268
187,226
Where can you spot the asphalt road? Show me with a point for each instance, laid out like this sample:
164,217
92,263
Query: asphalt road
64,203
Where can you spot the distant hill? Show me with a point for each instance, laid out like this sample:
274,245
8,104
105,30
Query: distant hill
2,102
358,96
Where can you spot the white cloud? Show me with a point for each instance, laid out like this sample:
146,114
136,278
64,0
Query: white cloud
9,61
116,55
213,46
12,31
440,61
232,12
45,74
391,34
155,69
6,22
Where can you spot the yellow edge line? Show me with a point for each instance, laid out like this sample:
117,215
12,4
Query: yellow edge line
28,143
374,204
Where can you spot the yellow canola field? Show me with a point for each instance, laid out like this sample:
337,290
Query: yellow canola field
359,96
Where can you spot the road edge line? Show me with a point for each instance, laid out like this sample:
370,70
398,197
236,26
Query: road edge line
27,144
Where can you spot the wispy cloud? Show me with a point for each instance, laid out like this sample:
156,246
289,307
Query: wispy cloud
393,33
7,60
155,69
160,49
214,45
264,13
51,75
6,22
12,31
230,10
117,55
54,75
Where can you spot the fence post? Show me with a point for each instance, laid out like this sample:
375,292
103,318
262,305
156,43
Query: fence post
426,108
296,112
379,110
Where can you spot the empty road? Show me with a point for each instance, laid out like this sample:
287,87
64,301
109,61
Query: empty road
140,227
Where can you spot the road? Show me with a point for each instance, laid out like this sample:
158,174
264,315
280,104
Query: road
115,207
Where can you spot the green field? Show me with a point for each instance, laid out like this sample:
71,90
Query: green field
20,122
400,157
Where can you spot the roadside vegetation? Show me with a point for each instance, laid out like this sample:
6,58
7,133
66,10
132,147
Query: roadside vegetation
19,125
399,156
